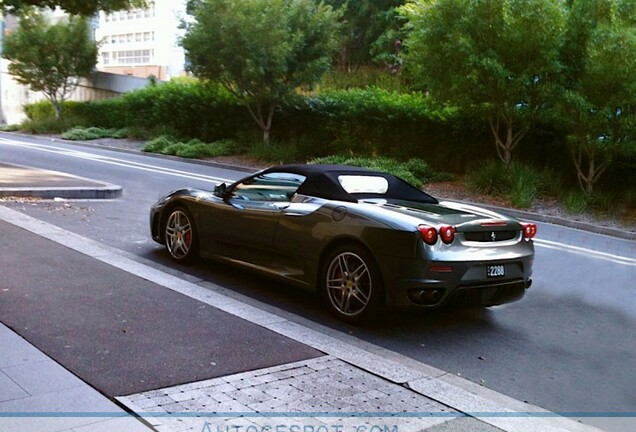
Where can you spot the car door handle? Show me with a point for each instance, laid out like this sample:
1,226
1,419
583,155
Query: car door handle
281,205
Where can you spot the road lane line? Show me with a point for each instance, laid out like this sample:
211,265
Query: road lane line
618,259
116,161
213,179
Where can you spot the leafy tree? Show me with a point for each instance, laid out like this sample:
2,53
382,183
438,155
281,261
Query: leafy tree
599,105
76,7
496,57
261,50
364,22
50,58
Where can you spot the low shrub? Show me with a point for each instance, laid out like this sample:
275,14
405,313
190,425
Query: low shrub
196,149
489,178
80,133
274,152
174,149
158,144
47,125
576,202
525,183
10,128
414,171
193,149
520,183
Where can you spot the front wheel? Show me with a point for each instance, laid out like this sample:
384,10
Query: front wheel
181,236
351,283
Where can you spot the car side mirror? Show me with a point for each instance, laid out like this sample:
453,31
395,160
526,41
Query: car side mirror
221,190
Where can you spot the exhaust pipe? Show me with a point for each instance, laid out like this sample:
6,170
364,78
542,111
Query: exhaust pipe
429,296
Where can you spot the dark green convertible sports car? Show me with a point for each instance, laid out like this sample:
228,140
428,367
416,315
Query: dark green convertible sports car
361,238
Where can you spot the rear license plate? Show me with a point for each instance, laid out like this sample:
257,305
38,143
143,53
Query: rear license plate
495,270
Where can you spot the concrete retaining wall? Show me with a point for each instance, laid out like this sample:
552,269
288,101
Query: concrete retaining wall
13,96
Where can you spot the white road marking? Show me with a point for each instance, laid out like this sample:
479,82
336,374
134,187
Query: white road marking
213,179
618,259
115,161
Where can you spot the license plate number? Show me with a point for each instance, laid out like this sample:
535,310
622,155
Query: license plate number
495,270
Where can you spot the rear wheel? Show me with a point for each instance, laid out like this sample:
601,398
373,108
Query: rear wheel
181,236
352,284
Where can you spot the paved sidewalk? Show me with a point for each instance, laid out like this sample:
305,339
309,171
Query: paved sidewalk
22,181
37,394
351,387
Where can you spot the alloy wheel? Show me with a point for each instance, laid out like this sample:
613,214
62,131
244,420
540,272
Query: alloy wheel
179,235
349,284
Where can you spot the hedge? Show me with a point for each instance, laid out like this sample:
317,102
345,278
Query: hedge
354,122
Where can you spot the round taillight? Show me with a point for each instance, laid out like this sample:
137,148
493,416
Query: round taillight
529,230
429,234
447,233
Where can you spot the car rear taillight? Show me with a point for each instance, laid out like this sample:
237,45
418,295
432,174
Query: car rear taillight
429,234
447,233
529,230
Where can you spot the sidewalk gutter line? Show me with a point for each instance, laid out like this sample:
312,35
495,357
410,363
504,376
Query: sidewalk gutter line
438,385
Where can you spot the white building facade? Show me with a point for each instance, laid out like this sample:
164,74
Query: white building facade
142,42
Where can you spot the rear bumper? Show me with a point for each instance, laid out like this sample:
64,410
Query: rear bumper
437,284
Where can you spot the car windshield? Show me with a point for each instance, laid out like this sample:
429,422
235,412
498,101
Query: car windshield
363,184
273,186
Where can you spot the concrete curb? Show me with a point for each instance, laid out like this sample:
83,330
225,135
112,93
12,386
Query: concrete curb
79,193
555,220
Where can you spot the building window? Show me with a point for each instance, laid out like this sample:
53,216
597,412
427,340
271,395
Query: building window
105,58
150,11
132,57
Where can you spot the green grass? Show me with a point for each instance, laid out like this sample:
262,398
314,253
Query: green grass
576,202
525,183
521,184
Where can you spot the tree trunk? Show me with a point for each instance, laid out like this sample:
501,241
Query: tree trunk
264,121
585,154
506,145
57,108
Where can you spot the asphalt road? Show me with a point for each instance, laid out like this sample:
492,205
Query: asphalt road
568,346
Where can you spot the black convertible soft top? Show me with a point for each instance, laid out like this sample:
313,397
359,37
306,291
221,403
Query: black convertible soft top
322,182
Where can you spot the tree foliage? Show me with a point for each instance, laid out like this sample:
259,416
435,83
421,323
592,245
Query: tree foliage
364,24
50,58
496,57
261,50
599,105
75,7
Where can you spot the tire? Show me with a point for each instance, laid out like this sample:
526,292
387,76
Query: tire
351,284
180,236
